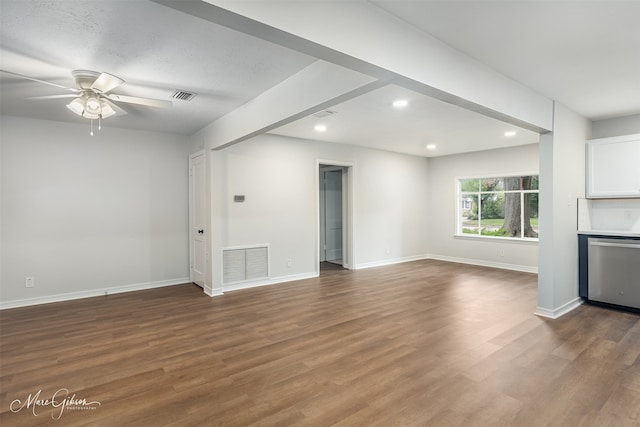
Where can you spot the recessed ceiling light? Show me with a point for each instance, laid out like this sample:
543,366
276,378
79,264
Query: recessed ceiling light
320,128
510,133
431,146
400,103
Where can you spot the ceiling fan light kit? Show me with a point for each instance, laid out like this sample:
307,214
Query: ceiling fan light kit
93,99
91,107
77,106
105,109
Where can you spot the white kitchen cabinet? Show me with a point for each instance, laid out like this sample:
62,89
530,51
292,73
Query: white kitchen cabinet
613,167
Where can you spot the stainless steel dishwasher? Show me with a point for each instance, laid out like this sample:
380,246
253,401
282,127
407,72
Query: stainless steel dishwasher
614,271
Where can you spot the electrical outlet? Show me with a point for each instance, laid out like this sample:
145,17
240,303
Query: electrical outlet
29,282
386,251
502,252
289,263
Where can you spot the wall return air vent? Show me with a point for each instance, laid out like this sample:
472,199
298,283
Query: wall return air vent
245,264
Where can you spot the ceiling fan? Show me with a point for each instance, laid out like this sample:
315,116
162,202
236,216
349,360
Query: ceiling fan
92,97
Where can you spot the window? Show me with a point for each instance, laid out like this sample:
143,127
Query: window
498,207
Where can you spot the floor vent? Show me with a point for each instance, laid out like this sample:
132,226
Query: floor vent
245,264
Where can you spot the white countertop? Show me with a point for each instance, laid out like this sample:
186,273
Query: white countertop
610,233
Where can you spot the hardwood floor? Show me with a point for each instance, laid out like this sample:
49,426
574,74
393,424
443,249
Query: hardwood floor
425,343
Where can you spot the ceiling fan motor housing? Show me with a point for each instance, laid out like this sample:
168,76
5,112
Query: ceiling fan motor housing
85,78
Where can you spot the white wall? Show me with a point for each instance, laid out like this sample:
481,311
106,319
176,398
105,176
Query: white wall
613,215
441,188
562,182
617,126
278,177
85,215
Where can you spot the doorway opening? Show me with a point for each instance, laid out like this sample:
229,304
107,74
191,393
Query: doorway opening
334,216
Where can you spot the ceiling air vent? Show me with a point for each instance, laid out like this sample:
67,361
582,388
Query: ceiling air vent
183,95
323,113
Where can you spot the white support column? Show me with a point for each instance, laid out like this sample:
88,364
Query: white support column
562,182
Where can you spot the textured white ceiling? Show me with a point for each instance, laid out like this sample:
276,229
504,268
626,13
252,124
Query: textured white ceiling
371,120
584,54
153,48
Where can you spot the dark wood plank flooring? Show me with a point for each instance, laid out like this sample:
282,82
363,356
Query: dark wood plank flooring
425,343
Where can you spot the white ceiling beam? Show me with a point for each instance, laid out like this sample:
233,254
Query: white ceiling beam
364,38
314,88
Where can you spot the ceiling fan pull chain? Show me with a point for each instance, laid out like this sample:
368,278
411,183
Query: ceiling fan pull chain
100,122
91,133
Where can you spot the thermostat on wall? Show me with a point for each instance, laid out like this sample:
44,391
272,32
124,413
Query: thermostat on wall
238,198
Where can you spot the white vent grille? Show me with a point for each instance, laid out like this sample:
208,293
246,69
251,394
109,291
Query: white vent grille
245,264
324,113
183,95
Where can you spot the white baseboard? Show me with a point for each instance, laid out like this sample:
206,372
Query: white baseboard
390,261
212,292
560,311
91,293
245,285
273,281
504,266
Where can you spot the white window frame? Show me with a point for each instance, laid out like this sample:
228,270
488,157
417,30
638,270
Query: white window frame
458,200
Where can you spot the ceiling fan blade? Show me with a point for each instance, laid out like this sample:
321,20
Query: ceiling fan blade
106,82
70,95
141,101
39,81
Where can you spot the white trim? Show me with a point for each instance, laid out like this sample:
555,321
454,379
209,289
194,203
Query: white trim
273,281
523,240
391,261
92,293
458,192
482,263
560,311
497,175
253,245
209,291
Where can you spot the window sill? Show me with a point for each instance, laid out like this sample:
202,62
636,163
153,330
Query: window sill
525,241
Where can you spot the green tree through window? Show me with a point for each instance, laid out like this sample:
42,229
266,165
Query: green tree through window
499,206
